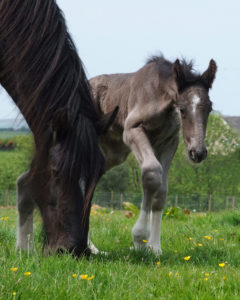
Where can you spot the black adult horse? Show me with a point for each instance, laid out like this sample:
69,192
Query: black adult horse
41,71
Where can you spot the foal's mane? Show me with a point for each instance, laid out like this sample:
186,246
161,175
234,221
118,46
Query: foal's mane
165,68
40,69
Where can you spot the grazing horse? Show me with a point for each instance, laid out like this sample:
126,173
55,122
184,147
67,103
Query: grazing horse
41,71
154,103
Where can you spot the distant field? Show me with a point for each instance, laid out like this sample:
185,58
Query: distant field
209,242
10,134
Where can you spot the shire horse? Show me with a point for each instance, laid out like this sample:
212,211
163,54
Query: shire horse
41,71
154,103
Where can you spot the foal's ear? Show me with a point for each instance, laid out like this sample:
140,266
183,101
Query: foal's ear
59,124
106,121
178,75
209,75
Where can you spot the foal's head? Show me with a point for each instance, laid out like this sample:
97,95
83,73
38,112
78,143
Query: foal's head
194,106
75,165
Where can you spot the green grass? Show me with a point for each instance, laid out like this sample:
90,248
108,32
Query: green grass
10,134
125,274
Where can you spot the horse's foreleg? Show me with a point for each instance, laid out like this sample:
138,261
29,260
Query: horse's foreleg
94,250
151,170
25,205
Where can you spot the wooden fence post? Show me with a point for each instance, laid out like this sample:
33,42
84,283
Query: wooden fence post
7,198
233,203
227,202
176,200
210,203
121,200
111,200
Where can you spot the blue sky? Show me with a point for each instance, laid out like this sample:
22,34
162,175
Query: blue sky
118,36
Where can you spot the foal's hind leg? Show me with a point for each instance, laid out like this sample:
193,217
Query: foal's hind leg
160,196
151,180
25,204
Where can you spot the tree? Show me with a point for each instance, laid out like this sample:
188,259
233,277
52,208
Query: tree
219,174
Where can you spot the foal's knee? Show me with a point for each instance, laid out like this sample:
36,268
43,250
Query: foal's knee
152,177
159,200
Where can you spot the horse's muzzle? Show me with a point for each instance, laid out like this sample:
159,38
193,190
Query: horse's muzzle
197,156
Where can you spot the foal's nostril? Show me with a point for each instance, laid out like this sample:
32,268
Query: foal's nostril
197,156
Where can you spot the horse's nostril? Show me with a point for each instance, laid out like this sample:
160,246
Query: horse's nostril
205,153
192,154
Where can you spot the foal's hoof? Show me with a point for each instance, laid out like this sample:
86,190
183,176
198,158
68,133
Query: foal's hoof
148,247
155,249
138,246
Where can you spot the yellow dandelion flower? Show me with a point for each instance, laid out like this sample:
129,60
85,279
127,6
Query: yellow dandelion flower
177,274
199,244
170,274
84,276
144,241
207,274
221,265
14,269
187,258
27,273
158,263
74,275
221,239
215,230
190,238
224,277
14,293
206,278
4,218
91,277
207,237
167,213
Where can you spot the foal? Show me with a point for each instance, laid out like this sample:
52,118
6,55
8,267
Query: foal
154,103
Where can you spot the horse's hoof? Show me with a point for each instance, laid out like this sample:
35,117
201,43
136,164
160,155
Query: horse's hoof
100,252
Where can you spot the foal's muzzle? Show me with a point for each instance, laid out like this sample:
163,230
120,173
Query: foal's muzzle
197,156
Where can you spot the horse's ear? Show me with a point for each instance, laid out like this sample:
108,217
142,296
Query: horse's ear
209,75
106,121
179,75
59,124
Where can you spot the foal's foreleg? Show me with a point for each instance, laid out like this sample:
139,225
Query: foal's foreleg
160,197
25,205
151,180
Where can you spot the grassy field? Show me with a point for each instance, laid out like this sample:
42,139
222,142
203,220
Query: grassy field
10,134
208,239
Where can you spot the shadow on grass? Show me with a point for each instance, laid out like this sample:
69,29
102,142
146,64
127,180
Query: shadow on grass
203,257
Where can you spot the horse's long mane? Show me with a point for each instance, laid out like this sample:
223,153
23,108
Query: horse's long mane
40,69
165,67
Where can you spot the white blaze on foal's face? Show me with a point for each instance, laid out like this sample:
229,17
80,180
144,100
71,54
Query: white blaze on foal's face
195,101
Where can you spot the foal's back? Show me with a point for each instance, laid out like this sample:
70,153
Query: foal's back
145,93
129,90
